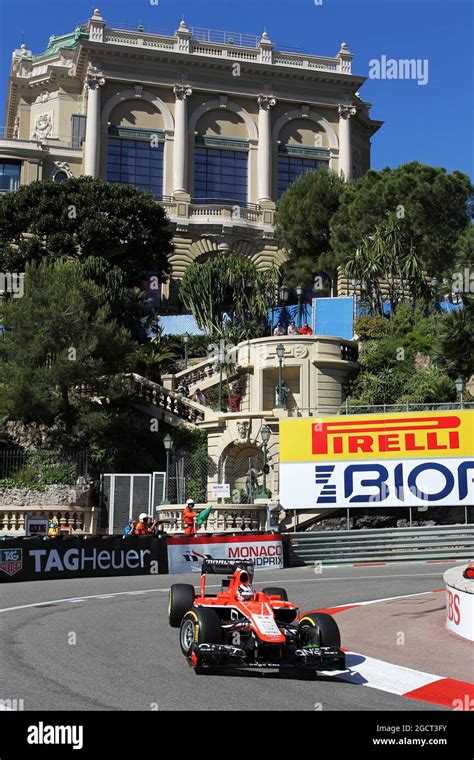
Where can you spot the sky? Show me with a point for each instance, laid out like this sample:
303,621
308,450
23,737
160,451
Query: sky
431,122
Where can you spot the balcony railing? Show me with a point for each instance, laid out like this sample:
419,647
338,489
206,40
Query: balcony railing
227,518
224,44
347,408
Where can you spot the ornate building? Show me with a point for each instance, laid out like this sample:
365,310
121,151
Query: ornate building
215,125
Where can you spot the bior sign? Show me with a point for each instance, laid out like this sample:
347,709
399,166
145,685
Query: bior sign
417,459
186,555
46,560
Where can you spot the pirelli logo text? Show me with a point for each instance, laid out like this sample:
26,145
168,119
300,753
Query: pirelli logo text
378,437
382,436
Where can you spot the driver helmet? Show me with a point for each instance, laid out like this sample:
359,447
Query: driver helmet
245,592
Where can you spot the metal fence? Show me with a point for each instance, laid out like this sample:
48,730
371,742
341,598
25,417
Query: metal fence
348,408
382,545
13,460
125,495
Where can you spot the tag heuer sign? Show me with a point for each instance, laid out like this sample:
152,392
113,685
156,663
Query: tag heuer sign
11,561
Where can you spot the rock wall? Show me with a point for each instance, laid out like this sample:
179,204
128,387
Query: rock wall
52,496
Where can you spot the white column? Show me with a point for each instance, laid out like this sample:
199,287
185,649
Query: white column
345,143
264,163
182,93
94,81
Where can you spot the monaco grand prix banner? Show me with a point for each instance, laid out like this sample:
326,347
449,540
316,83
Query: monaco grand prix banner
33,559
186,554
395,460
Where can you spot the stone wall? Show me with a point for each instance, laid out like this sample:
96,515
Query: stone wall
52,496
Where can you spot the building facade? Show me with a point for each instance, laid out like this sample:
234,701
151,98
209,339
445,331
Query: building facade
215,125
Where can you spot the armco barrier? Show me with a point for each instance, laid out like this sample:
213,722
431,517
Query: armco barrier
381,545
32,559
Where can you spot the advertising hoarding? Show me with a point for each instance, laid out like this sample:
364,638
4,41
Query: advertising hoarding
415,459
185,555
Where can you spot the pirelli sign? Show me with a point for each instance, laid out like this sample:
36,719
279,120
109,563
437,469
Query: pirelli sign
414,459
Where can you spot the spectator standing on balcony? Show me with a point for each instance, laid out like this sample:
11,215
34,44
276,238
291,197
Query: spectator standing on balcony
292,329
129,528
279,329
306,329
189,515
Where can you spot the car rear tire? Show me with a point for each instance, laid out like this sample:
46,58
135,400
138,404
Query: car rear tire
199,626
181,599
319,629
276,591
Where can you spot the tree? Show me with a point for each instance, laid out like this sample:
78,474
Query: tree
454,347
81,218
228,296
61,333
303,223
434,205
388,257
399,364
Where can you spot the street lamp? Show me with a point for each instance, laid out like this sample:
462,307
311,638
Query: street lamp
280,352
168,444
459,383
186,341
299,293
265,434
284,294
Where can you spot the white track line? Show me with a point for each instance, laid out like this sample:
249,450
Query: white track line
377,674
165,590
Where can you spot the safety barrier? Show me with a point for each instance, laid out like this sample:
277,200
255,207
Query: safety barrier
382,545
34,559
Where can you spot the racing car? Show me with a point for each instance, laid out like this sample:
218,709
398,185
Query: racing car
240,627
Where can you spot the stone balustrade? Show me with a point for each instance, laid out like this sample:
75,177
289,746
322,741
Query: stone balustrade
169,401
221,45
13,519
225,518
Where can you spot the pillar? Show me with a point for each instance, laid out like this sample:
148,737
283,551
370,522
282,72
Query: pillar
94,81
264,162
182,93
345,143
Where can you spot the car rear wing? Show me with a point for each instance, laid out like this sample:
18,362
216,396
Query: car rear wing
227,566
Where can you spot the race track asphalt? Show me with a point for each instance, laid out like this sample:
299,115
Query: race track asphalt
126,657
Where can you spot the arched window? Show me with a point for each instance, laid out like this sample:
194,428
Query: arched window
220,170
303,146
293,162
9,175
135,157
221,157
60,176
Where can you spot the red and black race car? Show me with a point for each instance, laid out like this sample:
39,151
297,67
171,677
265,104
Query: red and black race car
240,627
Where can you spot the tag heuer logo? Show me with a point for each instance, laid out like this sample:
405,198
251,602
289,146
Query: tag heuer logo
11,561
